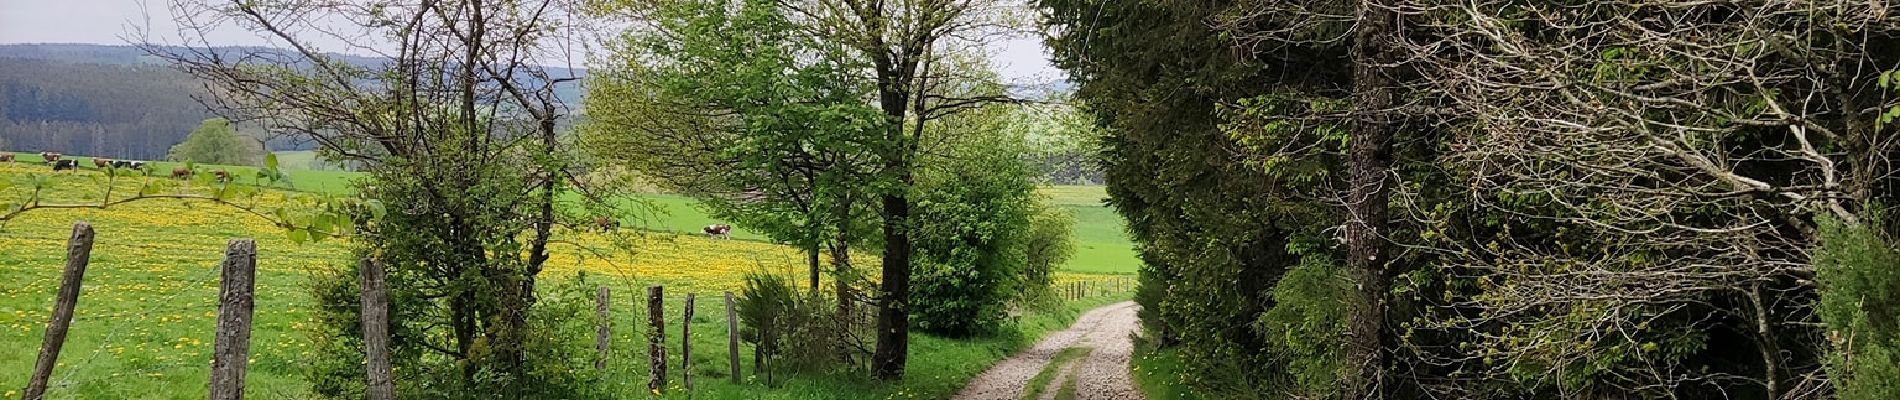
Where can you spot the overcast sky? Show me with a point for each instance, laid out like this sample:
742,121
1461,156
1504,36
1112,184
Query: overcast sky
1019,60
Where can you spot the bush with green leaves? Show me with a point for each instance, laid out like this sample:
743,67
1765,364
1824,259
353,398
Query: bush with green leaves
1858,270
559,353
972,237
792,331
1051,243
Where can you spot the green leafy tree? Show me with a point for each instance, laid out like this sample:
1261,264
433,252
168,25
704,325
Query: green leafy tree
910,51
726,101
976,202
1051,242
458,134
902,54
1222,164
216,142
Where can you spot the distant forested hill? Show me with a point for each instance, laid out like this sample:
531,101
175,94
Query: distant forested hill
115,110
112,101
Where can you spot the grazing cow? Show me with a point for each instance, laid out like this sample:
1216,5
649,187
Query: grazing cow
128,164
223,176
50,157
66,165
7,157
718,231
100,162
606,224
181,173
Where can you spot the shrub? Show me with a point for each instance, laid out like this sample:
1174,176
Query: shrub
559,350
971,246
1858,271
1051,243
792,332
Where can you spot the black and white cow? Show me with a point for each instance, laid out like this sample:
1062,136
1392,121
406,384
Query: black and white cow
123,164
718,231
66,165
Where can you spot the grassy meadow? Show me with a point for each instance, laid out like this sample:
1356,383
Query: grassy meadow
146,316
1102,244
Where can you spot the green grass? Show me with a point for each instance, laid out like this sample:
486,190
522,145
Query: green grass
323,182
1101,238
1076,195
1067,392
303,160
1033,389
146,316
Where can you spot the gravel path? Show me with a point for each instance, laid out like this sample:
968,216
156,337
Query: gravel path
1102,375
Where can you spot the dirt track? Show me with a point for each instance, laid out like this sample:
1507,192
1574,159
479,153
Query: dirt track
1102,375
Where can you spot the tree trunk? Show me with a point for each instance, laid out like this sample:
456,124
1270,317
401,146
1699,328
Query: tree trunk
841,278
812,253
893,318
1370,157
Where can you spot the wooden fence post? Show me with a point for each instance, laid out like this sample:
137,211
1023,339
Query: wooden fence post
375,297
656,338
732,337
78,254
603,337
686,344
232,348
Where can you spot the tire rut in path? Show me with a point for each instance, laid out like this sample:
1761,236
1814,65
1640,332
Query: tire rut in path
1102,375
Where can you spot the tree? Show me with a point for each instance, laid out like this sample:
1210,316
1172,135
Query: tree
1051,243
457,131
725,101
1063,142
216,142
1374,41
1654,192
1224,146
904,44
976,201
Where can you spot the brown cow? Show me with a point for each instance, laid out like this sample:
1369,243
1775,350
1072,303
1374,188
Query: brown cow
181,173
101,162
606,224
6,157
50,157
223,176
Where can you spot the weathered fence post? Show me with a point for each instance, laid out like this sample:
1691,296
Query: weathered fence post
732,337
78,254
375,297
656,338
604,336
686,344
232,347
